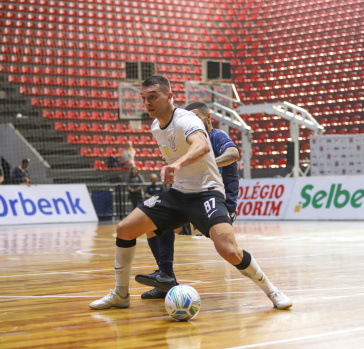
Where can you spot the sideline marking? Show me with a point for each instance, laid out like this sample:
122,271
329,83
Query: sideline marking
265,344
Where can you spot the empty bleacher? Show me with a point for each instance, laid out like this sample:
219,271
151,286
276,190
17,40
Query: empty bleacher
66,59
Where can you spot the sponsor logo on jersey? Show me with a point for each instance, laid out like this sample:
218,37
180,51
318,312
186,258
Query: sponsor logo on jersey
191,130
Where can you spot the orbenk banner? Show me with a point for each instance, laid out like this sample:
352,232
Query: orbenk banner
21,204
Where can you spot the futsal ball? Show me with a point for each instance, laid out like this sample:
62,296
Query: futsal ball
182,302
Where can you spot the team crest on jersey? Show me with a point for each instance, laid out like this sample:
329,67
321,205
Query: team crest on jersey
172,144
151,201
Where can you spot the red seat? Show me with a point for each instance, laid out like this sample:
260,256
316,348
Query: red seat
122,140
85,127
72,126
282,162
111,152
147,152
139,165
356,119
110,116
157,152
60,126
96,115
268,163
145,140
99,165
305,148
110,140
73,139
342,131
268,150
85,115
262,137
354,130
85,139
86,151
134,139
37,102
98,152
158,165
71,114
48,114
109,127
144,128
254,163
148,166
121,128
97,139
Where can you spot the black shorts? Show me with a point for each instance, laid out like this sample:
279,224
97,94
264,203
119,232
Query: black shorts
173,209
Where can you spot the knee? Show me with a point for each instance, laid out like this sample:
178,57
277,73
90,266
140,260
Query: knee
121,231
233,257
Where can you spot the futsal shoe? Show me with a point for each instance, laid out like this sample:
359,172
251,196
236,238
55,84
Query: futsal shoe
158,279
154,293
280,300
111,300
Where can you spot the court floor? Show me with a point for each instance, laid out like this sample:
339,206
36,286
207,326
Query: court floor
50,273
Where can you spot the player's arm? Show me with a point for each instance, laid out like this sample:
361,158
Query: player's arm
229,156
199,147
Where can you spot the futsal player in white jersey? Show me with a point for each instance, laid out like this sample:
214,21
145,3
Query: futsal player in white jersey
196,195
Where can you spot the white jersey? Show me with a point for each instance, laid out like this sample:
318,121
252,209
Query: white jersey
203,174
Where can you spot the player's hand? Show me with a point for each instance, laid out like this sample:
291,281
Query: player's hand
169,174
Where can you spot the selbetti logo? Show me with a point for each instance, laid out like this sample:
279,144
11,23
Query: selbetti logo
53,206
336,197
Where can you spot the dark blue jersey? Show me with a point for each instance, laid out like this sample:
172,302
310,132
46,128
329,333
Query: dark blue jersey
154,189
220,141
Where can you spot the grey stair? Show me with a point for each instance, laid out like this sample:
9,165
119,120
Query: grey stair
68,161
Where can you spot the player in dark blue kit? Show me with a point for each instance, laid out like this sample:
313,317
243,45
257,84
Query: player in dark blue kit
162,246
226,156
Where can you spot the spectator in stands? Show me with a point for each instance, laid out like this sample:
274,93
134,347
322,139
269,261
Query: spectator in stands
128,156
154,188
135,190
1,174
20,174
113,162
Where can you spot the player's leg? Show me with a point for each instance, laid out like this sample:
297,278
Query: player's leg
135,224
164,278
224,240
155,293
153,242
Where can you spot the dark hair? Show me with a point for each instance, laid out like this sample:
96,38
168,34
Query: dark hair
202,107
25,161
160,80
131,173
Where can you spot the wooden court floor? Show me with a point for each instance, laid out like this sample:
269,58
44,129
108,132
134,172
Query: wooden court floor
50,273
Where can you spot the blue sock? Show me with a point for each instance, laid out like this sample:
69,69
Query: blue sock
154,246
166,252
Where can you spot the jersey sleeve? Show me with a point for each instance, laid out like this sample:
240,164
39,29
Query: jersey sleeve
220,142
190,124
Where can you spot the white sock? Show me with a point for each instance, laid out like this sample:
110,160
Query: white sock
256,274
123,260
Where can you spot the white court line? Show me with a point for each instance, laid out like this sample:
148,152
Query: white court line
201,293
183,264
289,340
101,270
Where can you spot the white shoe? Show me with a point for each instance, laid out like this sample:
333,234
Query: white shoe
111,300
280,300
